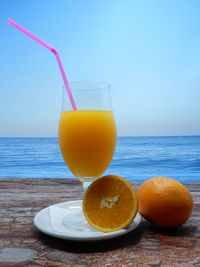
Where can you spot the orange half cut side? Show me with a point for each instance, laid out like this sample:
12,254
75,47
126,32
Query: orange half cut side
110,203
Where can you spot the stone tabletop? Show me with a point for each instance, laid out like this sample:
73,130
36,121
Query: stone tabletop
21,244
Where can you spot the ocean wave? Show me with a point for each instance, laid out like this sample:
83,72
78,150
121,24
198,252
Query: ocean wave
135,158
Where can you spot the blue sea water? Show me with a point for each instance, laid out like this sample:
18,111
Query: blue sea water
136,158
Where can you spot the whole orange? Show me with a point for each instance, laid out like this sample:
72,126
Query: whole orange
164,202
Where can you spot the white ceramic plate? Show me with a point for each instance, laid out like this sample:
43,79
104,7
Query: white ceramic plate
43,223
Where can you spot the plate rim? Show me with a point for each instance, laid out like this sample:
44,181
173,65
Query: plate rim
99,236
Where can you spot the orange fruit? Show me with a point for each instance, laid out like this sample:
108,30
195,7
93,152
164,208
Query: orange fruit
110,203
165,202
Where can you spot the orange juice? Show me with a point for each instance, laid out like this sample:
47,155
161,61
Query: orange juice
87,141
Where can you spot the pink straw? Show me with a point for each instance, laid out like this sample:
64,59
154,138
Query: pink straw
53,50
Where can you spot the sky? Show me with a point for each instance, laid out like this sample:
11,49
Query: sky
149,51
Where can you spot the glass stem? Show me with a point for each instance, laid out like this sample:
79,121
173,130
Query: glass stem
85,185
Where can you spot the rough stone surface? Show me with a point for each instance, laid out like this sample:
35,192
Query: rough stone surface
21,244
16,254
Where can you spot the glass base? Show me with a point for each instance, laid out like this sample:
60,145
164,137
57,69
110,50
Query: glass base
77,221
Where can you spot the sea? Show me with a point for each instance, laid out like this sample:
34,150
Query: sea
136,158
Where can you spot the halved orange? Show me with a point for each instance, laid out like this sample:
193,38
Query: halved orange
110,203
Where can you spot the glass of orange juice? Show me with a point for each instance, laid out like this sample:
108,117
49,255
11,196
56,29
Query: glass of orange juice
87,136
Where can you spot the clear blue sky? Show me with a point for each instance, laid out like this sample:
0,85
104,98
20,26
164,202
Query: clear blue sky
149,51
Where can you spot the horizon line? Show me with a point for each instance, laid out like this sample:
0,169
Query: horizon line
186,135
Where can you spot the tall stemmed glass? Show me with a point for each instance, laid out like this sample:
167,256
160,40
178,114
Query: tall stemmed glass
87,136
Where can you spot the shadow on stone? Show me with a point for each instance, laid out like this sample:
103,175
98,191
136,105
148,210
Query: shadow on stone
183,230
129,239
